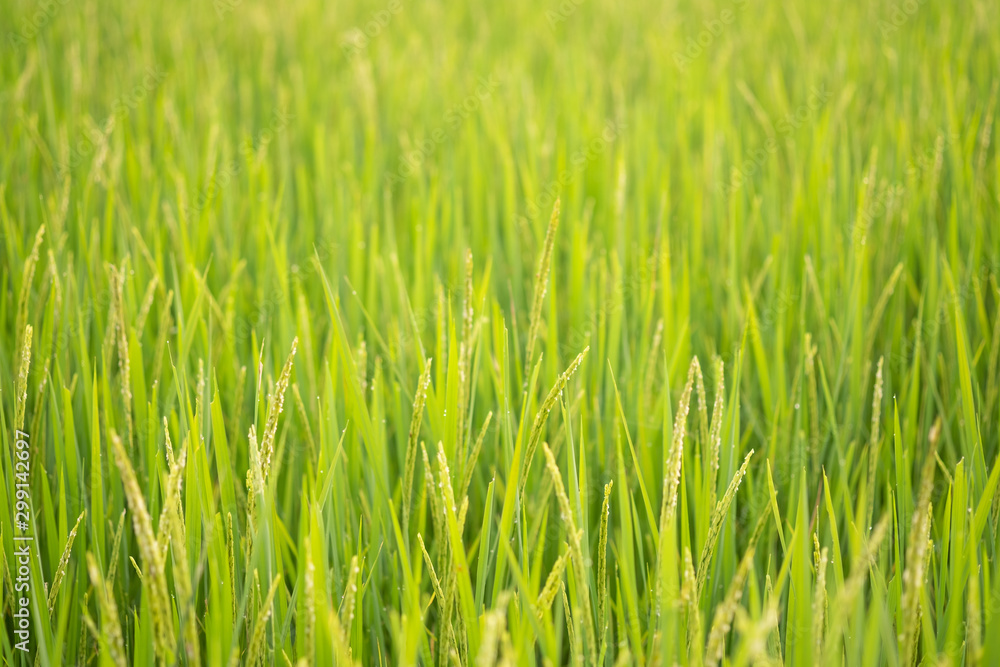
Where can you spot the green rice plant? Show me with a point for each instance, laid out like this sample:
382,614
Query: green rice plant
293,296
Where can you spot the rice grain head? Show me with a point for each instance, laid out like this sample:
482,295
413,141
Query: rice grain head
276,403
63,562
917,551
155,576
873,443
260,626
715,432
718,518
552,585
27,277
542,415
576,548
721,624
411,446
541,285
110,634
602,564
21,389
672,473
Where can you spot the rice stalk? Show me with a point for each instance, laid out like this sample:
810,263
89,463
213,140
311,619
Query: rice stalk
24,295
715,432
542,415
844,601
541,285
916,551
819,598
63,562
254,651
465,357
813,398
724,613
699,383
553,583
474,455
21,388
110,635
276,402
309,631
255,486
602,567
419,399
163,329
672,470
689,600
435,582
715,527
121,339
146,306
116,547
350,592
155,576
576,548
874,442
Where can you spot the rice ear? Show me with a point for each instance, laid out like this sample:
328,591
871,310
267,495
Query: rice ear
411,446
819,598
576,547
21,388
435,582
111,631
917,549
276,403
699,384
154,579
24,295
715,432
724,613
474,455
552,584
672,474
602,564
309,631
873,443
260,626
63,562
350,592
543,413
718,517
541,284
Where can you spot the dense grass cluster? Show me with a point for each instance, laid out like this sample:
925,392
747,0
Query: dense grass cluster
396,333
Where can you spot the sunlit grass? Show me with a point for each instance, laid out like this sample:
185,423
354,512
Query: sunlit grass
431,333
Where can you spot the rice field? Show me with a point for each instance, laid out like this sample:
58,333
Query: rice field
572,332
